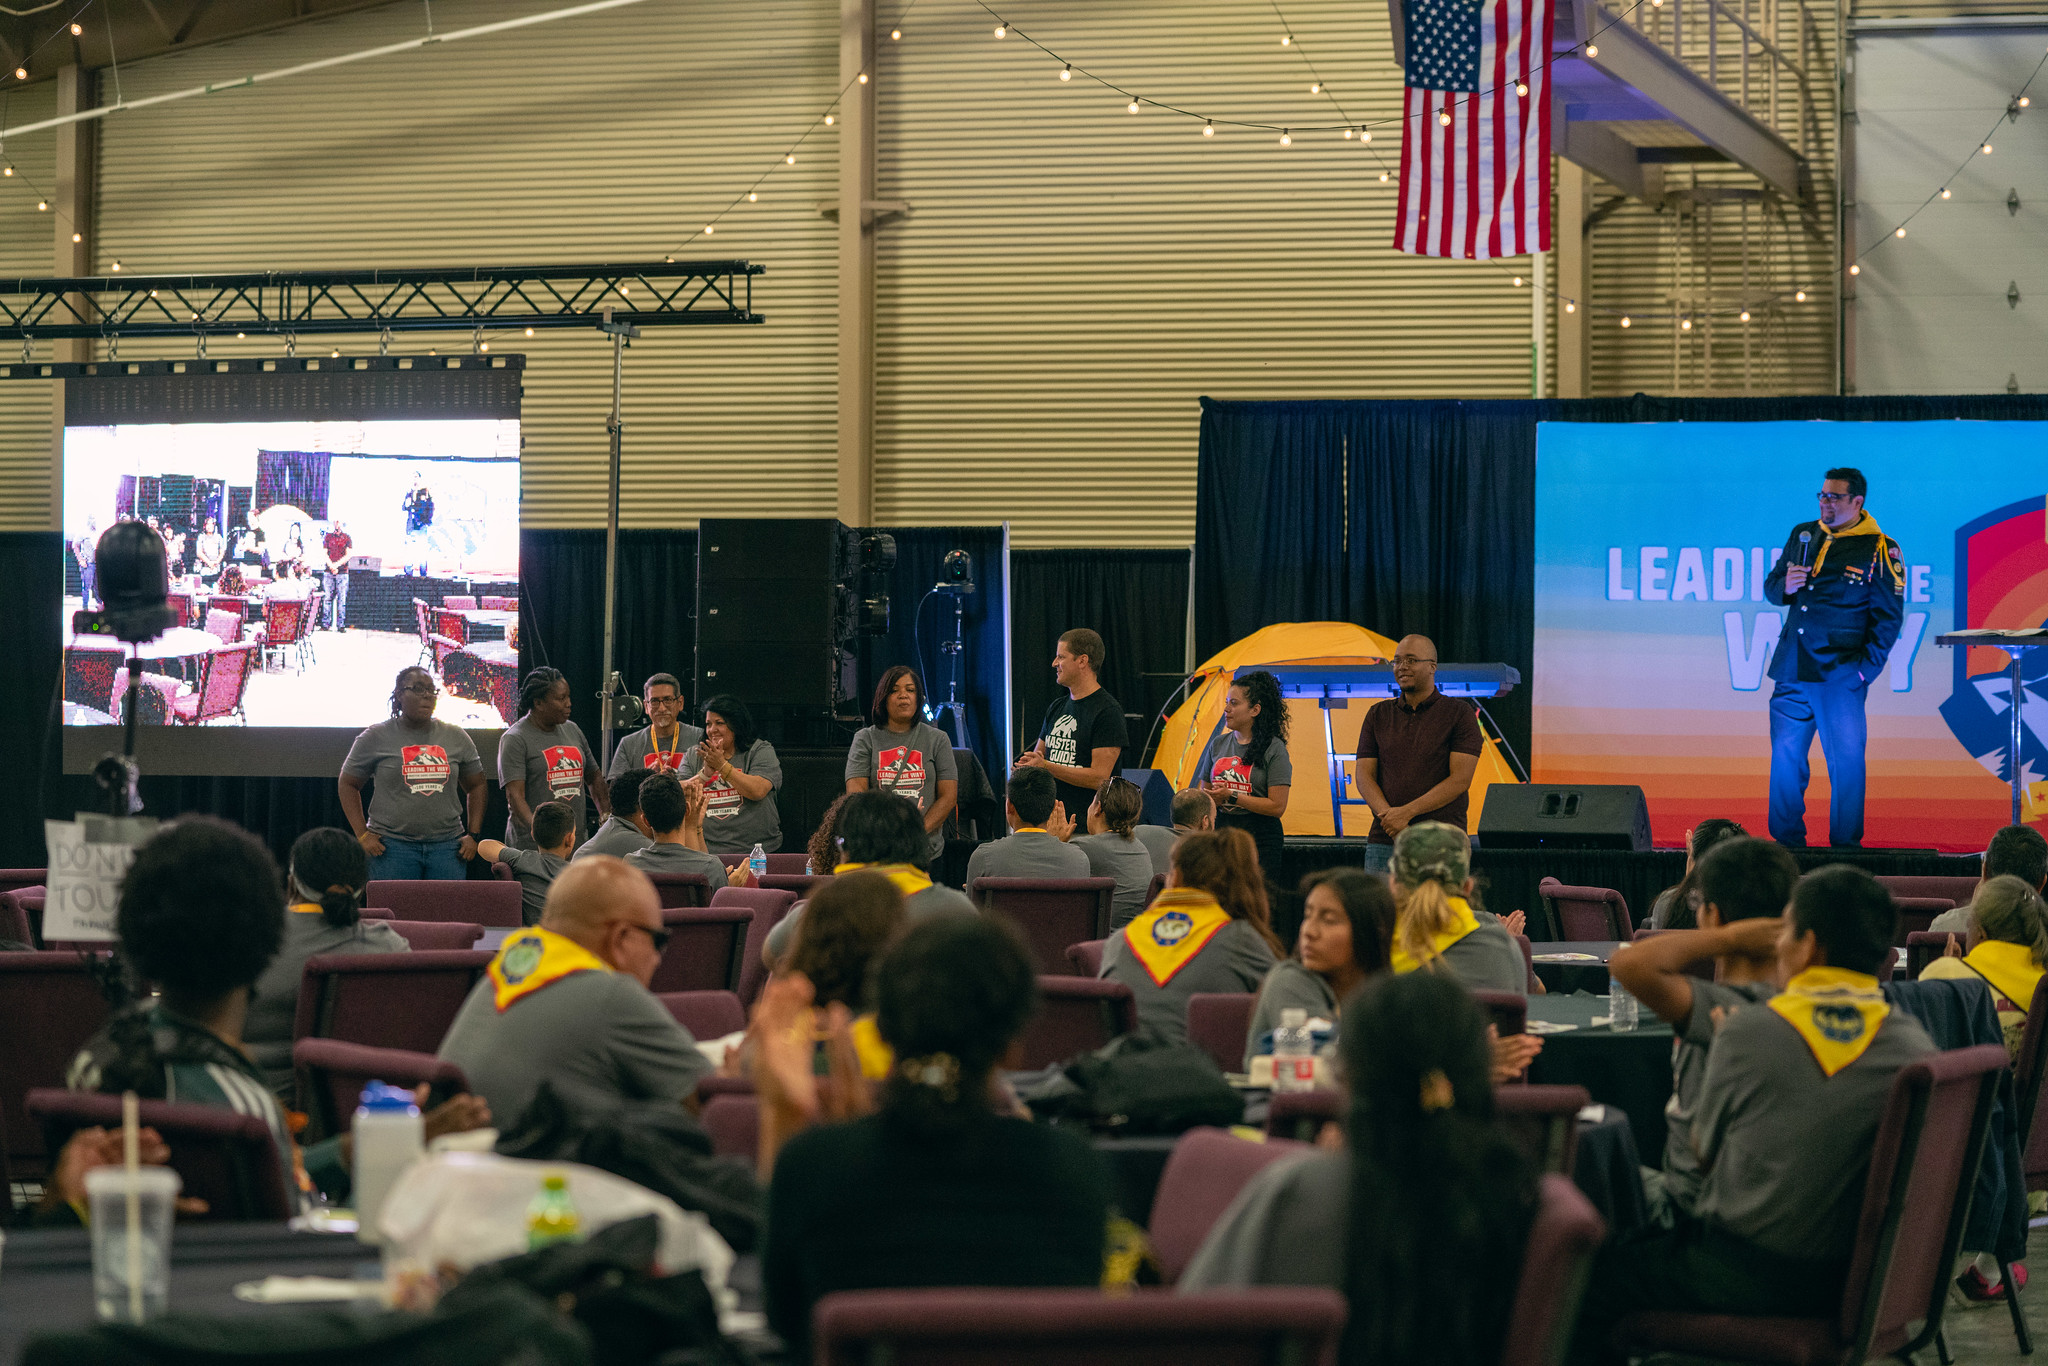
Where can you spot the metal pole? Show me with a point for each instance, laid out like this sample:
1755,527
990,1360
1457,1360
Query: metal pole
616,426
1539,320
2019,694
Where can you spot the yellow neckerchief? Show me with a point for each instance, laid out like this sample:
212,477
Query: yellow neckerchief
1168,934
876,1058
1864,525
536,957
1029,830
1466,923
910,881
1836,1011
2009,968
305,908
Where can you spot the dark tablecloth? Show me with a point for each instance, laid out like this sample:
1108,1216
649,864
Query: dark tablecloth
1563,979
1630,1070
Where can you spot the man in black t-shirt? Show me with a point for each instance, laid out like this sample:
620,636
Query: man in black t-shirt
1083,735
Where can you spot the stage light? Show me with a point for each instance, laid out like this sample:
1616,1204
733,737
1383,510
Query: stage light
1286,138
1067,72
1209,129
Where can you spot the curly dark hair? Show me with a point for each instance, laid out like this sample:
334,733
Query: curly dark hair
950,996
201,910
398,684
824,846
878,711
1262,690
536,685
331,864
845,926
737,718
881,827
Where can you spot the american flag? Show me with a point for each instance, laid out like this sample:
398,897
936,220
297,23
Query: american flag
1478,186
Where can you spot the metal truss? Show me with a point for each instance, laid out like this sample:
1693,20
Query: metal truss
310,303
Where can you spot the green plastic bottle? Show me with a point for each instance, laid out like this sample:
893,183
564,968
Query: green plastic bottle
552,1217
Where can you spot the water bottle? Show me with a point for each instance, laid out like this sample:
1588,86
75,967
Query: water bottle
757,864
1294,1054
552,1217
389,1135
1622,1011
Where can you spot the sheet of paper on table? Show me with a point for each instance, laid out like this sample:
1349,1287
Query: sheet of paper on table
1566,958
1549,1027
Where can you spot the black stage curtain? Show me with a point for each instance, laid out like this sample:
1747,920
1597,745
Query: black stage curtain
1420,515
919,626
1137,600
561,610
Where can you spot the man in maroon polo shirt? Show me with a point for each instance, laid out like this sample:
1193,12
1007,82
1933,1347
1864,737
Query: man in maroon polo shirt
1416,753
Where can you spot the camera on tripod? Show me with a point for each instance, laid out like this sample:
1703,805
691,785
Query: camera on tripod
132,569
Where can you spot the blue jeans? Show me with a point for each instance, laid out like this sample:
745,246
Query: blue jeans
336,609
408,860
1379,858
1835,709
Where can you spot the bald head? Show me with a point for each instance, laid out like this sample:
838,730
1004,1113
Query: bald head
594,898
1415,667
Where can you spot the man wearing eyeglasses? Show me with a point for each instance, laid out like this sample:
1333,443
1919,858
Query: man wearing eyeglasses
1416,753
667,739
566,1002
1843,584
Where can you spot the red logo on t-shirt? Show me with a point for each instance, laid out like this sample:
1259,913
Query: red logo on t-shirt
1232,774
721,799
672,761
425,769
565,771
901,771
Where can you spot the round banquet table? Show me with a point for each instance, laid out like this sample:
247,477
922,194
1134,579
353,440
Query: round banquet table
1630,1070
1565,978
180,642
488,624
76,715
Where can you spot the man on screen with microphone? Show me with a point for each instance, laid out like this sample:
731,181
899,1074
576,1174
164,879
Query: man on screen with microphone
1845,587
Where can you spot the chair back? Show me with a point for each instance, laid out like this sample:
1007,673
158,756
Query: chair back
223,625
800,885
225,1158
333,1073
459,603
181,607
89,677
14,922
419,612
1544,1120
1220,1024
798,863
1076,1015
1922,948
222,684
734,1123
491,604
678,890
706,1014
2027,1071
15,879
1702,968
1508,1010
1206,1171
450,624
1086,958
281,619
1555,1263
1585,913
489,902
1265,1326
386,1000
431,935
769,907
1957,890
1301,1115
704,947
1916,913
50,1005
1531,983
1052,912
1154,887
445,648
155,699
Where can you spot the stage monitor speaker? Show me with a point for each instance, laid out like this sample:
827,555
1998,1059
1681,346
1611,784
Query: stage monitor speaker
1565,816
805,549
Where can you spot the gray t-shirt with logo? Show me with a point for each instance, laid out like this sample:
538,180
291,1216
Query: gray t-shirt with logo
1225,764
911,764
637,750
552,764
732,824
416,777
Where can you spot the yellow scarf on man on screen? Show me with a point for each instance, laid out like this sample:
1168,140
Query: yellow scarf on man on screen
909,881
1463,923
1168,934
1836,1011
535,958
2009,968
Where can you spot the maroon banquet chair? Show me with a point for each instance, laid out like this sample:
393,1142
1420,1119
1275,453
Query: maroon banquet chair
706,1014
228,1159
14,921
799,863
704,946
223,683
386,1000
1923,947
1585,914
1052,912
333,1073
1507,1011
733,1122
1301,1115
284,620
89,677
449,623
1531,981
181,608
1076,1015
1958,890
432,935
1556,1260
800,884
1916,914
1086,957
1219,1023
446,650
15,879
425,629
678,890
459,603
1544,1120
490,902
491,604
223,625
1916,1199
769,907
50,1005
156,699
1206,1171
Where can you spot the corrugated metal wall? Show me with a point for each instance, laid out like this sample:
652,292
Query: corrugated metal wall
27,247
1072,277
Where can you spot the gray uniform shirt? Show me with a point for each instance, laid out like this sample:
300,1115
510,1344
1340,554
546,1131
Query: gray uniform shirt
1129,862
1235,959
616,837
536,872
677,858
552,764
1225,764
274,1000
1286,1227
1158,841
1689,1049
1955,920
1030,853
937,899
1786,1148
1488,959
597,1038
911,765
1288,986
637,750
732,824
415,777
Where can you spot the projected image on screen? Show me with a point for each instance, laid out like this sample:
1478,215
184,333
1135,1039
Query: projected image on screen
310,562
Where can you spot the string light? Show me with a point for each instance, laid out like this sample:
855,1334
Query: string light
1985,149
895,35
753,196
1799,296
1383,177
1286,138
1518,282
1067,72
1898,232
1443,116
1855,269
1209,128
789,160
2024,101
1944,192
1522,89
117,266
1347,135
1744,315
863,78
77,237
1624,320
529,331
1002,30
1315,88
78,30
1132,107
1685,324
1592,49
21,73
709,228
1570,307
42,206
1365,135
8,171
1286,40
830,120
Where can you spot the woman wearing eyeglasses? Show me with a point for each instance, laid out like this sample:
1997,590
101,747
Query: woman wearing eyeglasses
427,787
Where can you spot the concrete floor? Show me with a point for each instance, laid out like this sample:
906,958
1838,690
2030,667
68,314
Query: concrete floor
1983,1337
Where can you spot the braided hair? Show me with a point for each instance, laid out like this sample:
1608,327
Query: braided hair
398,684
536,685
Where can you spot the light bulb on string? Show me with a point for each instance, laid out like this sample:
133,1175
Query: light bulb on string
42,206
529,331
1570,307
2024,101
1685,325
1002,30
1286,39
1315,88
1132,107
1067,72
1209,129
78,30
1899,231
1799,296
21,73
240,335
1522,89
863,78
1985,149
1365,135
117,267
830,119
1518,282
753,196
1624,320
1443,116
1945,192
1383,177
789,160
1347,135
895,35
1286,138
1744,315
1855,269
710,228
8,171
77,237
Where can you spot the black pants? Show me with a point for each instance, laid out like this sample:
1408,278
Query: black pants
1697,1269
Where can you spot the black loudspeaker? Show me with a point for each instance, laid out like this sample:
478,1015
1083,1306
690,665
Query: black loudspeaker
1573,816
772,611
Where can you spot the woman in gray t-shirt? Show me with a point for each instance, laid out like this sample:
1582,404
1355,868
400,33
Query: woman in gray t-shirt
902,754
1114,852
543,757
426,785
1246,768
741,777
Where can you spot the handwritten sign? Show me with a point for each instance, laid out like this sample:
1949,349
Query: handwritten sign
88,858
